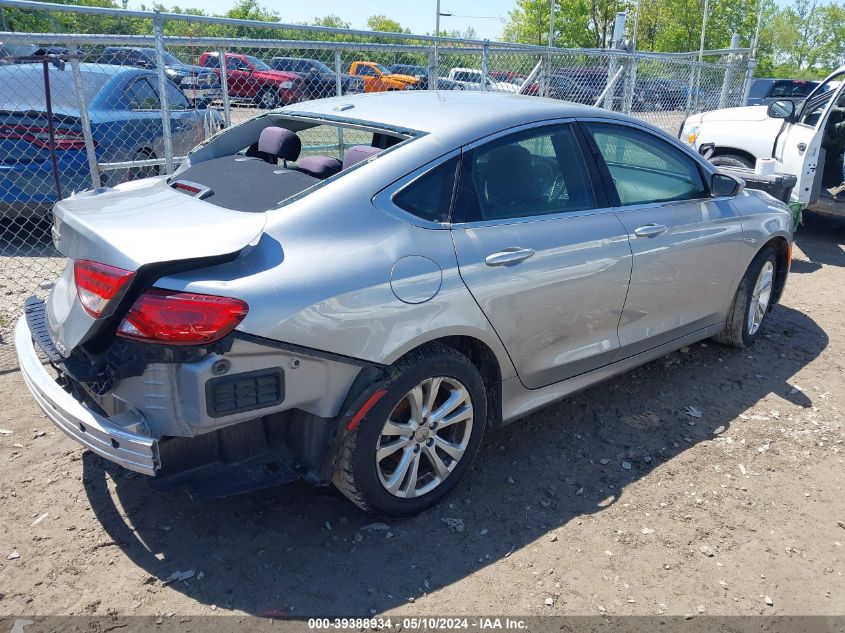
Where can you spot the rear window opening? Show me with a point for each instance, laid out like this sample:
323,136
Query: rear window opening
260,164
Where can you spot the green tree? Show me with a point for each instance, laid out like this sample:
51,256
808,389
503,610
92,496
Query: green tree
385,24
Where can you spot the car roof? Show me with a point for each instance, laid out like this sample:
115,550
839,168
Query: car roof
455,117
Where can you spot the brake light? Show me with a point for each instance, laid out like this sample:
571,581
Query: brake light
40,136
97,284
181,318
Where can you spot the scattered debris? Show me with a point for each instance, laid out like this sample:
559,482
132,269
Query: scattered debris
13,555
604,461
483,531
553,539
5,432
769,601
39,519
549,602
626,465
375,527
742,469
692,411
178,576
456,525
707,551
646,530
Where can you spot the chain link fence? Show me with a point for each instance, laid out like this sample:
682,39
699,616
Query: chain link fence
81,111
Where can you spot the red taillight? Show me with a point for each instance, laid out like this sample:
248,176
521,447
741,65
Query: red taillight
40,136
97,284
181,318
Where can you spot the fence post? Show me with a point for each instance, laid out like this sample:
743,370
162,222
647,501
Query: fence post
729,71
691,88
158,34
749,79
224,87
338,86
433,71
485,60
86,122
632,64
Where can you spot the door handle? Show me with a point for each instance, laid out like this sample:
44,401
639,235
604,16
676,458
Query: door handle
650,230
510,255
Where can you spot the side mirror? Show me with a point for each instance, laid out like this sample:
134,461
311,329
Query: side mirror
723,185
781,109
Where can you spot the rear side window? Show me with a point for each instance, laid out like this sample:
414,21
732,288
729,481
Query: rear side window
645,168
212,61
429,197
142,96
532,173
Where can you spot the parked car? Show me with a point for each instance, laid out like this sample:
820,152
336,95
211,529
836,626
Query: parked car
197,83
510,77
367,329
11,53
806,140
125,114
591,83
765,91
421,73
251,80
378,78
319,80
473,79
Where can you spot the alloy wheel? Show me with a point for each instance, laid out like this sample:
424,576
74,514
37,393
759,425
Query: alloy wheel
424,437
760,297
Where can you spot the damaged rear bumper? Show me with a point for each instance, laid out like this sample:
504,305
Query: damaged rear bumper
107,437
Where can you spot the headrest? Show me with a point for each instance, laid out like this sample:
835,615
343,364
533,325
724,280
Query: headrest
277,141
358,153
321,167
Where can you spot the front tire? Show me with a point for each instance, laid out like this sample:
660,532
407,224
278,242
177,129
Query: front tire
268,98
731,160
752,302
418,441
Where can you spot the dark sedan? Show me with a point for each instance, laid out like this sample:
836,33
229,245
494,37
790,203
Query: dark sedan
318,79
198,83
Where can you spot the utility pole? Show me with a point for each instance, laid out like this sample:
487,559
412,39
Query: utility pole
552,8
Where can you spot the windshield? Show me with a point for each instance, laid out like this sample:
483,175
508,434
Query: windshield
170,60
257,63
320,66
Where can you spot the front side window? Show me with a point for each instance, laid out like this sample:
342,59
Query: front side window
430,196
644,168
366,71
531,173
235,63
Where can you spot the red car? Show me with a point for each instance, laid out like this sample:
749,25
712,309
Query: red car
251,79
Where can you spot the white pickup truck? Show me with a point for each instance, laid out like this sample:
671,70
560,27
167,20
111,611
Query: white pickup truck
807,140
472,79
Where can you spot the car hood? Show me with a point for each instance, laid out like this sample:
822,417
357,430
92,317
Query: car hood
408,79
748,113
188,69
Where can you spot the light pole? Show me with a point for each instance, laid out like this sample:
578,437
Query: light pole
552,7
437,35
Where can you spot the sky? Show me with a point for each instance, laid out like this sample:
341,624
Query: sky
418,15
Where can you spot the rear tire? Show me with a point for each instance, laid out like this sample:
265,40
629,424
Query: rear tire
433,417
752,302
731,160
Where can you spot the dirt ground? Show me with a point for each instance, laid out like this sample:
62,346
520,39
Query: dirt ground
616,502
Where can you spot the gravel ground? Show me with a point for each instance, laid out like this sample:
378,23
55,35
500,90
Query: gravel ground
616,501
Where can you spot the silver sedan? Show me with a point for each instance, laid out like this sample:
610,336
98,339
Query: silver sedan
351,290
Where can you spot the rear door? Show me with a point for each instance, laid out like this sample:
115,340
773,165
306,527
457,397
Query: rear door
239,78
542,254
685,244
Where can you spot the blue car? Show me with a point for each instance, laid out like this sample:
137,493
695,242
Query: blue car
125,112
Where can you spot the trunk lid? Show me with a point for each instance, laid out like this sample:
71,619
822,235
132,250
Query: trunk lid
138,227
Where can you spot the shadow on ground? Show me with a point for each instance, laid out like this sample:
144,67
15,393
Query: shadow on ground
821,238
271,553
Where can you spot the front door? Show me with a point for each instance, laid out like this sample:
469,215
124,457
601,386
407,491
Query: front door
798,148
545,258
685,244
